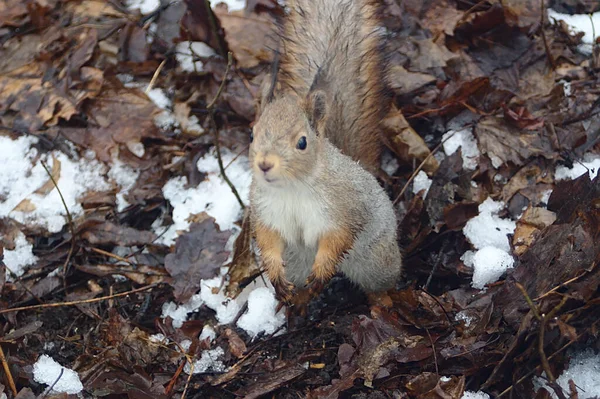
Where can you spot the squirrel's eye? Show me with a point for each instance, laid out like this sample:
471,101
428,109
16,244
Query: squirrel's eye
251,137
301,143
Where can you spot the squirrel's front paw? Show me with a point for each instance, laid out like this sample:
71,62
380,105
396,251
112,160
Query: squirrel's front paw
315,284
283,290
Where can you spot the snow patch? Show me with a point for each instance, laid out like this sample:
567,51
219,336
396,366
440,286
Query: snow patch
18,259
126,177
583,369
46,371
590,164
580,23
187,54
489,235
212,196
209,361
421,182
489,264
463,139
475,395
145,6
22,174
261,316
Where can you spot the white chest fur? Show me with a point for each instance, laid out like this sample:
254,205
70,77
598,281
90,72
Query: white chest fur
297,214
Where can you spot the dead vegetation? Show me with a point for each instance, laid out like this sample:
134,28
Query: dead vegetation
501,69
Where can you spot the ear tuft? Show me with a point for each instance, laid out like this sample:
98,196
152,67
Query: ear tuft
316,109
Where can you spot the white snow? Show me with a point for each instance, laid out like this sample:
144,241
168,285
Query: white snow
590,164
232,5
261,316
179,314
389,163
580,23
489,235
124,176
207,332
465,140
159,98
489,265
188,52
488,229
20,177
165,120
212,196
209,361
475,395
145,6
158,339
46,371
583,369
421,182
464,317
18,259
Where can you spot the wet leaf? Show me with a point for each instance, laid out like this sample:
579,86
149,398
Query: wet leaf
199,254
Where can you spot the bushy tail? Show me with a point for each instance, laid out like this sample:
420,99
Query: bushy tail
337,46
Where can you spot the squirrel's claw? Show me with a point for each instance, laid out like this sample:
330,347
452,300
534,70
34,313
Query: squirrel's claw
283,290
315,285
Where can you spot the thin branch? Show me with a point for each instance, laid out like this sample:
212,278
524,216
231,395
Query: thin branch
155,76
532,305
551,59
421,165
210,109
69,218
71,303
7,372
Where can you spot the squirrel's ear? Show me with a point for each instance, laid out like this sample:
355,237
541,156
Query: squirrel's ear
316,109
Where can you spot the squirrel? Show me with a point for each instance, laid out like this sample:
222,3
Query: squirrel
316,207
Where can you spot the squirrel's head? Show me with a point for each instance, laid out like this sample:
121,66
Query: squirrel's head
287,140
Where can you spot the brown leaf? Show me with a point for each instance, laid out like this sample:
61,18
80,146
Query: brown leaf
521,118
243,268
503,143
442,17
110,233
272,381
404,82
119,116
199,254
250,37
405,142
237,346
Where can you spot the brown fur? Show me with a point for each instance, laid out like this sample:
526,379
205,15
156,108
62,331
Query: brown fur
343,57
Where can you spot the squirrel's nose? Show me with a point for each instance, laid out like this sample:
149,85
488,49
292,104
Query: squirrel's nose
265,166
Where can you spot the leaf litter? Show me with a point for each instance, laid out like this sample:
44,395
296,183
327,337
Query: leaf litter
145,283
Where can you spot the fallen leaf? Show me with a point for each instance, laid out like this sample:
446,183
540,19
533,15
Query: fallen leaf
405,142
237,346
199,254
111,233
249,36
243,268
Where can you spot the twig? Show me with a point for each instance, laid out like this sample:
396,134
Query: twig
9,376
545,364
70,220
111,255
210,109
546,47
71,303
532,305
51,387
437,371
421,165
155,76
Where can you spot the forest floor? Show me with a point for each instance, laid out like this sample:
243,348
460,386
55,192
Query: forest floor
124,272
